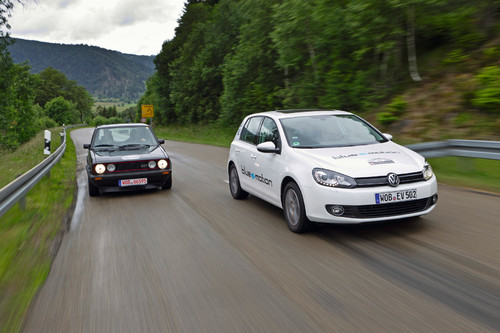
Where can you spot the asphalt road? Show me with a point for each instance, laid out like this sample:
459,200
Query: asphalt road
192,259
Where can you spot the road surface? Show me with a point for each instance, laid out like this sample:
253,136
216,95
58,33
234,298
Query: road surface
192,259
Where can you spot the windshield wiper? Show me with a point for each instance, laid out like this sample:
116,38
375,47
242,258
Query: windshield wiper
133,146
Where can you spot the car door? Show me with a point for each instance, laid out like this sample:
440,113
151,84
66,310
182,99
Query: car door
267,165
244,150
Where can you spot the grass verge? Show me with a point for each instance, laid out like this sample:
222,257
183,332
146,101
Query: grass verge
29,237
473,173
205,134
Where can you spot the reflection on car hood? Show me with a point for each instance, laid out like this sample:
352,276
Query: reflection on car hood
365,161
150,153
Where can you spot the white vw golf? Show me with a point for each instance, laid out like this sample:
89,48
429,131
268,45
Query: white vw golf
328,166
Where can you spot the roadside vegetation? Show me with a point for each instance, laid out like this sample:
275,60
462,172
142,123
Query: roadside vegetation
30,235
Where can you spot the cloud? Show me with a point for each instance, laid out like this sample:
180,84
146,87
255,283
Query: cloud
130,26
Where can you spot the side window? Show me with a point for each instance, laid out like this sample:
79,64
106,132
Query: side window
269,132
250,130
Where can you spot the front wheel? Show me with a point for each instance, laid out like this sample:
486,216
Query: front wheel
294,210
234,184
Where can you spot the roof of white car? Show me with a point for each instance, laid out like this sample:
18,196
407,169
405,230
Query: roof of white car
301,112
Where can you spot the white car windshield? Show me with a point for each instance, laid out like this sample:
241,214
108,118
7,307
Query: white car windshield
329,131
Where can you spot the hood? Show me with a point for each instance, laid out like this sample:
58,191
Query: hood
365,161
107,156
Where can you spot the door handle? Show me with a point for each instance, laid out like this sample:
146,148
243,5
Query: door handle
236,150
253,156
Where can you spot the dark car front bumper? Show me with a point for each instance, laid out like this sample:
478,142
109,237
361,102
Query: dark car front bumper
109,182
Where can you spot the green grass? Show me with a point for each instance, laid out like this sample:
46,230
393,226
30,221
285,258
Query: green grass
26,157
28,236
473,173
205,134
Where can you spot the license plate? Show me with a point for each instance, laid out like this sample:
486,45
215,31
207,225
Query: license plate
396,196
133,182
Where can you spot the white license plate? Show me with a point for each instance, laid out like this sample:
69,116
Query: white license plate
395,196
133,182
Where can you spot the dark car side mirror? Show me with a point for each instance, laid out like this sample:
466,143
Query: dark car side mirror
86,146
161,141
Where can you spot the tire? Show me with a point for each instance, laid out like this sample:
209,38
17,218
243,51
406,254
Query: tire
93,190
294,210
234,184
168,183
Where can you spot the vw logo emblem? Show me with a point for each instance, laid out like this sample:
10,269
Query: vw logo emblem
393,179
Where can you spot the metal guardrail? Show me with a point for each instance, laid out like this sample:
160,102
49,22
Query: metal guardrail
462,148
18,188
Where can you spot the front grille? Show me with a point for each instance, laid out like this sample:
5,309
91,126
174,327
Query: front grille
385,210
131,166
406,178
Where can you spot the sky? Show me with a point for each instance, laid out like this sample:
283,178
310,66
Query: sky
129,26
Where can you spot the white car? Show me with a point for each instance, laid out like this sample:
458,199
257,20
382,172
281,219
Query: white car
329,167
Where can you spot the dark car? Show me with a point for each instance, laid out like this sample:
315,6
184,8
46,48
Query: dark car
126,157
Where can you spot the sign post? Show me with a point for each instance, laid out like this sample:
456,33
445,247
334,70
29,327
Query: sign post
147,112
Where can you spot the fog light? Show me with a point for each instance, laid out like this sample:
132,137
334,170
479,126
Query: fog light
337,210
151,164
434,199
111,167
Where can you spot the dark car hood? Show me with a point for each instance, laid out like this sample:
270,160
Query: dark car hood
107,156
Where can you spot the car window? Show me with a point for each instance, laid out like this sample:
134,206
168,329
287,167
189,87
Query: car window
118,136
269,132
329,131
250,130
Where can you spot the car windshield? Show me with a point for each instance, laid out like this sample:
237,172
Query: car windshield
124,138
329,131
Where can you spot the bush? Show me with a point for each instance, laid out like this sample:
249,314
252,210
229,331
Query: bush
488,96
115,120
46,122
397,106
100,120
386,118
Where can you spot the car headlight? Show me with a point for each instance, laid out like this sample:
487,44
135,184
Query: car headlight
99,168
427,171
151,164
333,179
111,167
162,164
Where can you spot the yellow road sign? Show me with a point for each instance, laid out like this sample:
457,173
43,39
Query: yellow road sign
147,111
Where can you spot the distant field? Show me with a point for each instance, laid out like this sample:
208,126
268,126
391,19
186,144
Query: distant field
120,106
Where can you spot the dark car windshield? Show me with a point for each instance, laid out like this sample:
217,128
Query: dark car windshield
124,138
329,131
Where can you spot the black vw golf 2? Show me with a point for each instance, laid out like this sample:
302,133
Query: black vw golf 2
126,157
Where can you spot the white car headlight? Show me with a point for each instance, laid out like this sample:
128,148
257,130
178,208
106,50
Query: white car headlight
99,168
427,171
151,164
111,167
162,164
333,179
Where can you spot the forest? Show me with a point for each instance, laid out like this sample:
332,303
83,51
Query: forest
230,58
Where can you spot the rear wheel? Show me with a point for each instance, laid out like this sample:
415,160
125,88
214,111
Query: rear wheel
294,210
234,184
93,190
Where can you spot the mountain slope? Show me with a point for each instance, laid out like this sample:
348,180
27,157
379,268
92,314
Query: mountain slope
104,73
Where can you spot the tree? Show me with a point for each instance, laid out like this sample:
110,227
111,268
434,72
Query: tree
61,110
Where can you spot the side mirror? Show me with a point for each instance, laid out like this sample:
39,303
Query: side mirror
86,146
268,147
387,136
161,141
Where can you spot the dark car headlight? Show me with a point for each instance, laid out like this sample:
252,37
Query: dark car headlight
99,168
333,179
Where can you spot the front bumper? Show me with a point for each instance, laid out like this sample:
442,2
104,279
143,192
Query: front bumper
109,182
359,204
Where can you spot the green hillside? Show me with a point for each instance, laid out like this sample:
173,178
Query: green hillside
105,74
